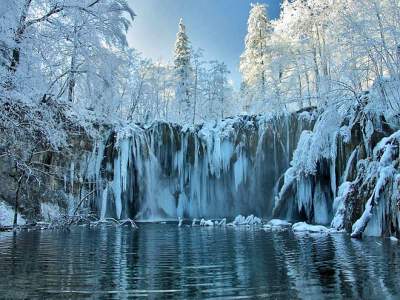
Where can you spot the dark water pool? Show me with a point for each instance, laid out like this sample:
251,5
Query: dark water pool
164,261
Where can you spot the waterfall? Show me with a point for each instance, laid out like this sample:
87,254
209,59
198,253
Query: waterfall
213,170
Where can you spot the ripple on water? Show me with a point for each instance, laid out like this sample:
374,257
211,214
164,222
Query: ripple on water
169,262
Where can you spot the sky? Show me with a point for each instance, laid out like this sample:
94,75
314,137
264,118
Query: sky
217,26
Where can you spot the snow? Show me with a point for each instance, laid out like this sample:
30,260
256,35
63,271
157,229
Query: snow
204,222
213,169
380,172
249,220
7,215
239,220
302,161
304,227
289,178
278,222
277,225
359,226
308,116
339,207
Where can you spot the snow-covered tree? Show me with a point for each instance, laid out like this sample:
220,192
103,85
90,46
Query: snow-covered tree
254,57
319,51
218,91
51,50
183,72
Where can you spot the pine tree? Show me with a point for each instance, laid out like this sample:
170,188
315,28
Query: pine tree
183,75
253,59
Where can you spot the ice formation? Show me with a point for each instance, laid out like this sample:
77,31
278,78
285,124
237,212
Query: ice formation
7,215
344,172
164,171
292,167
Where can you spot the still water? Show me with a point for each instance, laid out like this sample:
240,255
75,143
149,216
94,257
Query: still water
164,261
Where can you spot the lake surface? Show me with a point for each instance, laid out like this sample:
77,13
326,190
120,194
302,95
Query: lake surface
164,261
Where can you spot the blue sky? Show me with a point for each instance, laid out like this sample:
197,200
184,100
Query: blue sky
217,26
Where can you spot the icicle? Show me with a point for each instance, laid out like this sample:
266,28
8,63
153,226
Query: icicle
210,171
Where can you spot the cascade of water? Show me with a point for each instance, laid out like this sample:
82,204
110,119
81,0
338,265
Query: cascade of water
212,170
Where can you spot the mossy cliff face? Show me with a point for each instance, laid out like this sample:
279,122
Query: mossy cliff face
58,179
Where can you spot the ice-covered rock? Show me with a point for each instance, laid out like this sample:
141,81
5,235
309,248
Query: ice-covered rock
304,227
180,222
339,207
277,225
204,222
239,220
194,222
250,220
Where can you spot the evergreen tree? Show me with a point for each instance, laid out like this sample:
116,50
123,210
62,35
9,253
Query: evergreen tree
253,59
183,74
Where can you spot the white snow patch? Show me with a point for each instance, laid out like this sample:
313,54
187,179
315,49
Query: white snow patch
204,222
278,222
277,225
250,220
304,227
339,207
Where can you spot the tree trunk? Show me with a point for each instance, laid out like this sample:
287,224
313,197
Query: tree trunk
18,36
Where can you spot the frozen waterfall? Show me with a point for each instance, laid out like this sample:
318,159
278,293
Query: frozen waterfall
165,171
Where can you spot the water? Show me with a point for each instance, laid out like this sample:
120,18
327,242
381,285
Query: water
164,261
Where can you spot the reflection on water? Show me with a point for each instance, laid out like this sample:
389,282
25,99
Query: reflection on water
164,261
